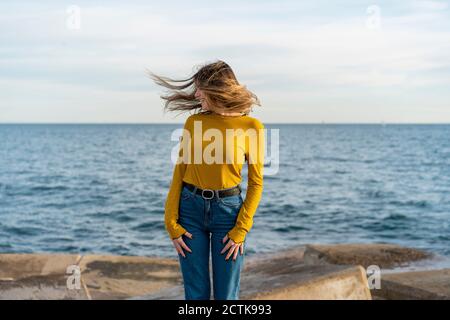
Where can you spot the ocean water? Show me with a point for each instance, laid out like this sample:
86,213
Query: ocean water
102,188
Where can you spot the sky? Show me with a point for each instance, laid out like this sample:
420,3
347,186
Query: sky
307,61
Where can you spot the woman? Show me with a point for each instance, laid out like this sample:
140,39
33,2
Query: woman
204,209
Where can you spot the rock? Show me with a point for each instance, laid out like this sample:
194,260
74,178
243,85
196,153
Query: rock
44,276
17,266
119,277
172,293
384,256
37,276
50,287
416,285
285,276
311,272
308,283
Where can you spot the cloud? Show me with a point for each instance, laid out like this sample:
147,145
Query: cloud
304,50
430,5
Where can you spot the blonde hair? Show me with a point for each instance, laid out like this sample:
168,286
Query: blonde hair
217,81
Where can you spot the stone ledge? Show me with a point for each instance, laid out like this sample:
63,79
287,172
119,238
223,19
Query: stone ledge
303,272
385,256
416,285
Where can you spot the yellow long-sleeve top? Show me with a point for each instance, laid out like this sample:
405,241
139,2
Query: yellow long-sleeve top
225,172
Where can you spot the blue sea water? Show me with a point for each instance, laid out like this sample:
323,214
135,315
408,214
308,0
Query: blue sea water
101,188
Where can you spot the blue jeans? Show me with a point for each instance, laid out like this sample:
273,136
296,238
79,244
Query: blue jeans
209,220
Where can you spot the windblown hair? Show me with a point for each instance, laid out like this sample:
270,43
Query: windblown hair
217,81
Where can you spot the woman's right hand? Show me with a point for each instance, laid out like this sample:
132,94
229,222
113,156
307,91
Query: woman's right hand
179,244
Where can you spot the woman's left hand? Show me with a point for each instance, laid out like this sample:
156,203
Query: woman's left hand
234,248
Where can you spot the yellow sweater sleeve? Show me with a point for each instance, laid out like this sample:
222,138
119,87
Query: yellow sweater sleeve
174,229
254,189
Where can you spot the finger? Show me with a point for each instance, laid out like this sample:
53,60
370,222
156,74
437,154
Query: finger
188,234
179,250
224,238
226,247
183,244
229,244
230,252
238,248
242,250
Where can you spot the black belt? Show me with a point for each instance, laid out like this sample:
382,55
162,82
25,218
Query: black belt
209,193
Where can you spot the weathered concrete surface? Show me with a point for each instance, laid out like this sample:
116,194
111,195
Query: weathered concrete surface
37,276
385,256
306,283
417,285
291,279
19,266
316,283
118,277
311,272
285,276
50,287
432,284
43,276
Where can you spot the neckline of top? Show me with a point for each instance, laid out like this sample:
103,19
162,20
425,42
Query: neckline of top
225,117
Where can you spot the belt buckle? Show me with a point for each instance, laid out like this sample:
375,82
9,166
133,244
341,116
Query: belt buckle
212,192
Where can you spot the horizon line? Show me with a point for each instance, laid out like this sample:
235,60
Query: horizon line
181,123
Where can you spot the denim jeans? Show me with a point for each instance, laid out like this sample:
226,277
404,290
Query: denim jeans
209,220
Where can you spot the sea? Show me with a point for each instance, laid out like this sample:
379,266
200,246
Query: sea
101,188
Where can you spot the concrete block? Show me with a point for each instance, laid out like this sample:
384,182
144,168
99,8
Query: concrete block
383,255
